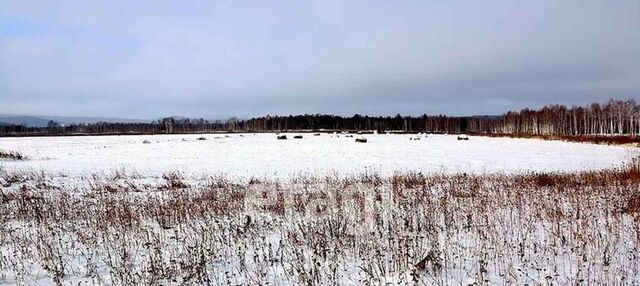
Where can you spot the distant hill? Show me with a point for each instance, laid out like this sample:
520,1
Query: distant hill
32,121
78,120
42,121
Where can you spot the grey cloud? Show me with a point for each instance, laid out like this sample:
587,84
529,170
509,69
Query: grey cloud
146,59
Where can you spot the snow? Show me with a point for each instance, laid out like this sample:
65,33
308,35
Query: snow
499,236
263,155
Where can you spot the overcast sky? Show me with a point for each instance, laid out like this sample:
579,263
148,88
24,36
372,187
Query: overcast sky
215,59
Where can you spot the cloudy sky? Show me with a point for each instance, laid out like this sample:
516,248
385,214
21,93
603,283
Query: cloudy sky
215,59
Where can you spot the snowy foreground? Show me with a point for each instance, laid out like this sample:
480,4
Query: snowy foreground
321,210
562,229
262,155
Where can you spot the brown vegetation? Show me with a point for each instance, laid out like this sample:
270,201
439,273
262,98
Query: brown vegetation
537,228
596,139
11,155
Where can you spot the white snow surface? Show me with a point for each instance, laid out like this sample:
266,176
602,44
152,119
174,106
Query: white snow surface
246,155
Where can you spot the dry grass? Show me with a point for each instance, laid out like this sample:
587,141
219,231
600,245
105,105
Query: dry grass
410,228
11,155
596,139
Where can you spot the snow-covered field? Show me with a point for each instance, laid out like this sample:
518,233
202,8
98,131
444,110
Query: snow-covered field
253,210
263,155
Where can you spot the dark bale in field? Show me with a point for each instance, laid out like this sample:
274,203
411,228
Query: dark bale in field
463,137
202,138
361,140
282,137
297,137
317,134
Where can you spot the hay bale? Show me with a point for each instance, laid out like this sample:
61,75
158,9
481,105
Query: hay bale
282,137
297,137
361,140
463,137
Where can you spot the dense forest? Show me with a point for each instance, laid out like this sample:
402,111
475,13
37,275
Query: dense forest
615,117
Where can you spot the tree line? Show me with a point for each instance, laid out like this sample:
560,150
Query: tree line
615,117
